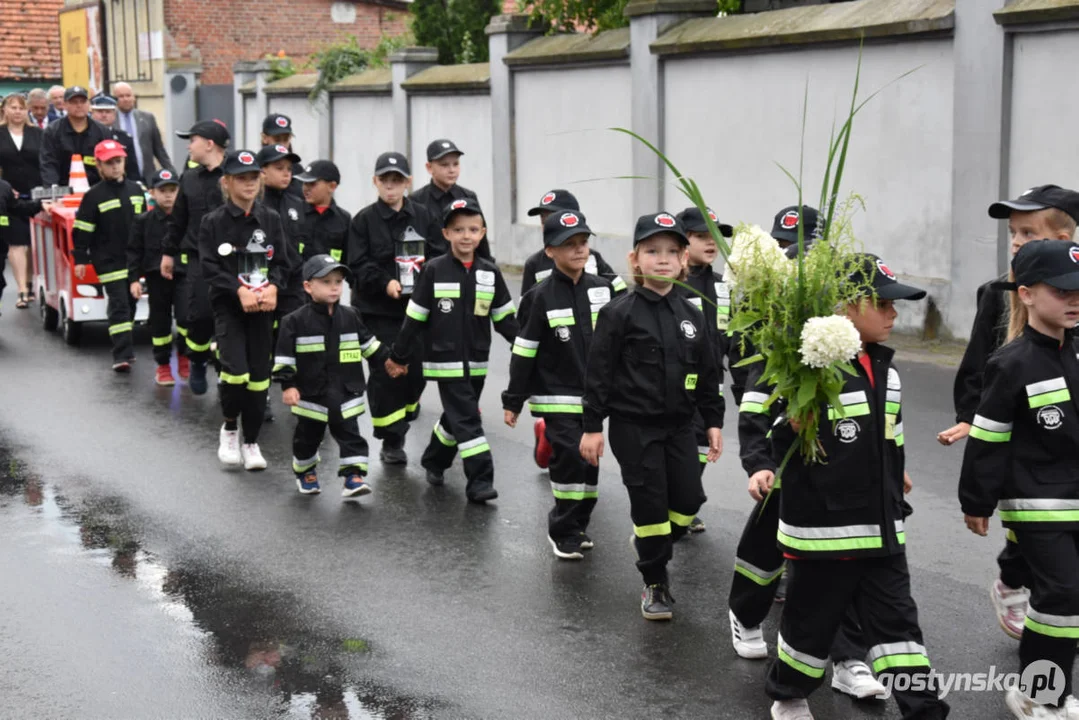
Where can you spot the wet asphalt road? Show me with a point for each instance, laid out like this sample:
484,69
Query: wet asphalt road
140,580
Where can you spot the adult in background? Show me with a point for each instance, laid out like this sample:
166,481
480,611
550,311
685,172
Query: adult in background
103,109
143,129
38,105
57,103
20,145
74,134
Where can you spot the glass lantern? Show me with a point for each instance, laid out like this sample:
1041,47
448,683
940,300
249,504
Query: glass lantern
409,256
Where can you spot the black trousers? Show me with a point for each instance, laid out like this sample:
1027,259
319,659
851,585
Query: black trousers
245,344
394,402
1014,570
121,314
342,415
162,303
662,475
200,320
574,482
460,429
3,265
1052,627
818,595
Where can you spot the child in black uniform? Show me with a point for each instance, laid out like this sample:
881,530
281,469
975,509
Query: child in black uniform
444,167
650,369
319,363
144,259
1020,459
325,223
548,364
458,297
246,261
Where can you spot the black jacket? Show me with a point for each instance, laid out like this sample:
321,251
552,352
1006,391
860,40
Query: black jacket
538,267
103,226
60,142
435,200
650,364
372,247
988,333
1021,454
200,192
229,225
144,246
550,353
715,304
291,210
325,232
22,166
11,206
755,421
453,308
322,355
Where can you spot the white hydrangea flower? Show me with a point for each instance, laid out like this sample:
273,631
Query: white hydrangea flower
829,340
753,248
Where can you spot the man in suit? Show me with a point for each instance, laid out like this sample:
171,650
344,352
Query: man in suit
103,109
142,127
57,103
37,105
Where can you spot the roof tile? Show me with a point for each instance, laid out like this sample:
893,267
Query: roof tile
30,42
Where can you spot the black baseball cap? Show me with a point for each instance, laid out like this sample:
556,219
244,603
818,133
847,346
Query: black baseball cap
214,130
556,200
441,148
785,225
392,162
464,205
322,265
239,162
163,177
272,153
75,91
561,225
1038,198
693,221
649,225
871,269
320,170
1053,262
277,124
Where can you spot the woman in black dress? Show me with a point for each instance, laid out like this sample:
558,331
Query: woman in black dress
20,145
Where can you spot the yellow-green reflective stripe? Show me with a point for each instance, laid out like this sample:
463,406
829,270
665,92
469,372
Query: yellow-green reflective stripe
304,465
313,414
618,283
702,457
120,328
474,450
335,254
353,411
643,531
900,661
258,385
899,440
758,575
477,372
192,164
4,222
892,408
1049,398
448,293
848,411
499,313
113,204
1009,535
558,321
989,435
350,345
371,349
230,379
523,351
320,347
198,347
851,543
444,373
442,438
112,276
79,225
679,519
1049,630
181,330
575,495
1039,515
751,407
691,381
568,409
390,419
800,666
163,340
901,538
183,258
484,295
418,316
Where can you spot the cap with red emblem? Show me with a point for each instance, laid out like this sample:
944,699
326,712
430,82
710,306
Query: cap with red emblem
240,162
785,227
693,221
871,271
556,200
649,225
562,225
164,177
467,205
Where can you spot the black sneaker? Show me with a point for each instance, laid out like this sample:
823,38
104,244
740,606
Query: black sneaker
781,589
586,542
481,496
435,478
393,452
566,548
656,602
197,382
696,525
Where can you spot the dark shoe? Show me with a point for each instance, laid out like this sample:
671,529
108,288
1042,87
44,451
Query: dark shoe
308,483
121,367
696,525
197,382
566,548
656,602
781,589
586,542
481,496
393,455
435,478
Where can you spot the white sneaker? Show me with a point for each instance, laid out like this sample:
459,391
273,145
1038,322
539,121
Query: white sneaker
228,448
252,456
854,678
748,642
1011,606
791,710
1024,708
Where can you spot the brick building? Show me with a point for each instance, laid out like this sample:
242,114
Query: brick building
29,43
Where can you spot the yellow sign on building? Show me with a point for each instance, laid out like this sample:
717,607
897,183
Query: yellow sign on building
80,47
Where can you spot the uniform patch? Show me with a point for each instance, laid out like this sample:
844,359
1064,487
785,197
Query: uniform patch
569,220
665,220
1051,417
258,237
599,295
548,198
283,149
224,249
847,430
445,145
562,333
1074,254
165,175
445,305
458,204
485,277
790,220
281,121
885,270
688,329
292,214
713,216
246,158
722,290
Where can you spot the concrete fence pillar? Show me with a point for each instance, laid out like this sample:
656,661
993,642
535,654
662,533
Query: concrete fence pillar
405,63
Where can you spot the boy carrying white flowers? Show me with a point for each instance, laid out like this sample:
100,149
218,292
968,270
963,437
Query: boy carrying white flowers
841,520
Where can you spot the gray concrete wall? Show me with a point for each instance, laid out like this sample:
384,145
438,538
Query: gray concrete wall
362,130
305,124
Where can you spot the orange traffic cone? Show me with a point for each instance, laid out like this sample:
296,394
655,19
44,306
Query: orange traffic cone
77,180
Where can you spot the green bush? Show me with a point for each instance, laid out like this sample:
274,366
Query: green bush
454,27
593,15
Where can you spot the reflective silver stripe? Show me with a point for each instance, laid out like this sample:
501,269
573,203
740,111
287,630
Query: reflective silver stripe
284,360
898,430
567,312
369,343
759,572
481,440
596,307
502,309
485,288
992,425
310,339
477,365
1046,386
814,662
571,487
703,449
313,406
894,396
542,275
696,301
352,403
830,533
444,366
354,460
350,337
526,344
556,400
897,648
414,308
893,379
852,398
1053,620
1037,504
755,397
447,286
899,526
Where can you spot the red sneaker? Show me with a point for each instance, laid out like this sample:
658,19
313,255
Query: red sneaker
164,376
183,367
543,450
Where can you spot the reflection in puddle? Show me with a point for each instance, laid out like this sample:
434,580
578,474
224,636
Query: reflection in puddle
260,634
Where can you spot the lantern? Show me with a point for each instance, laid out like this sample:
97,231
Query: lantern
409,257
